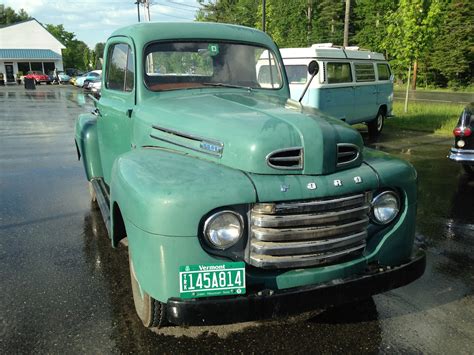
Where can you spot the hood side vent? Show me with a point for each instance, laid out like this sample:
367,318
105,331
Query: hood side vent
286,159
346,154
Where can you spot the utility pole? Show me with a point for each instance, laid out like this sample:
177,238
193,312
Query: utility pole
146,5
138,9
346,23
309,15
264,14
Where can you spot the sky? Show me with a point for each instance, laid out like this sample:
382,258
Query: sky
92,21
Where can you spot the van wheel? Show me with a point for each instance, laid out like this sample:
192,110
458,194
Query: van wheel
375,126
150,311
468,169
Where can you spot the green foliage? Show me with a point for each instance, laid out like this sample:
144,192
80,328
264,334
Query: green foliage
329,24
411,29
438,34
73,54
99,55
371,22
8,16
453,52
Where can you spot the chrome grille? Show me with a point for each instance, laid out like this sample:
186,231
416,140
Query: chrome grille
289,158
308,233
346,153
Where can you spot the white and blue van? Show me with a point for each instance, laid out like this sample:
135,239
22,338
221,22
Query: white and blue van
353,85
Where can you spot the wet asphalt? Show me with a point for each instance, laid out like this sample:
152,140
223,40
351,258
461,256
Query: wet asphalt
65,290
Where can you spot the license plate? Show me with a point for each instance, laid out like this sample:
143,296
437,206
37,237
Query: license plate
212,280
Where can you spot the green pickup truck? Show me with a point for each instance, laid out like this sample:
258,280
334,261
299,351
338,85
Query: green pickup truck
237,202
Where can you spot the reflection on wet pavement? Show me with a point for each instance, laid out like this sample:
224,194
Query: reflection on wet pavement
69,291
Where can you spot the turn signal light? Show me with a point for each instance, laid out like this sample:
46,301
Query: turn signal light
458,131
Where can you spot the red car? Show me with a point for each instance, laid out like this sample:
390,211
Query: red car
38,76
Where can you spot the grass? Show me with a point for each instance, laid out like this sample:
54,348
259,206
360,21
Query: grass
465,89
436,118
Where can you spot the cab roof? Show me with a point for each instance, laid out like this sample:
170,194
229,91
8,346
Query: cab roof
145,32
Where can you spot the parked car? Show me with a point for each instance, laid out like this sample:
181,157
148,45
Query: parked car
63,77
353,85
73,72
463,149
92,75
237,202
38,76
94,87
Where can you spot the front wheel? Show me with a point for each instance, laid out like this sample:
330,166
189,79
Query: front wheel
375,126
150,311
468,169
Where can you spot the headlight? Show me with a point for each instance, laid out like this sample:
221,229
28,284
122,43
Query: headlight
385,207
223,229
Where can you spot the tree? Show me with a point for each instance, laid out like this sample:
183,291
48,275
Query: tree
8,16
99,55
371,23
453,50
329,26
73,54
411,30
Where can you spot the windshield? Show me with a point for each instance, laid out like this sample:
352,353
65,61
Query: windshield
186,65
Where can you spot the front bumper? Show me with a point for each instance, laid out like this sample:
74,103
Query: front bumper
462,155
268,304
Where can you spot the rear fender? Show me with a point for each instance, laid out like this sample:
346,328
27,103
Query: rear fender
88,145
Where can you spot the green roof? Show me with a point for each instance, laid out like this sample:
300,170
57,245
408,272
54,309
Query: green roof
28,54
145,32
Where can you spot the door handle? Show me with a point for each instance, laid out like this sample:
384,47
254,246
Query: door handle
129,113
96,112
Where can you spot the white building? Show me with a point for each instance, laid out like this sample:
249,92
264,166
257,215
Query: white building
26,46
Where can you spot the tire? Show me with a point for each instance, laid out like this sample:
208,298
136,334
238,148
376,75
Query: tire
92,192
469,170
150,311
375,126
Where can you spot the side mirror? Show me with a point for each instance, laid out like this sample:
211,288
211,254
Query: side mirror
313,68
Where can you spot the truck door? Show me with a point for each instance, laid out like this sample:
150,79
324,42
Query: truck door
116,103
337,94
365,92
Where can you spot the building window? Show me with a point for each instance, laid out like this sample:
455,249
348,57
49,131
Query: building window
35,66
24,67
48,67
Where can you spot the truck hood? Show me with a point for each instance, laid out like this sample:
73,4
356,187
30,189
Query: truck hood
251,132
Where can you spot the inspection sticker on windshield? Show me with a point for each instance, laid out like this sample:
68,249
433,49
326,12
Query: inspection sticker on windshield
213,49
212,280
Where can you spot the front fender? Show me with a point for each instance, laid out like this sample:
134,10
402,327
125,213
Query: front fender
166,193
88,144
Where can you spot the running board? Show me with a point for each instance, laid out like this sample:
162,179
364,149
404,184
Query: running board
103,200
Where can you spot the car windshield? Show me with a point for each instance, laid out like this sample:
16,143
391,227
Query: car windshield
187,65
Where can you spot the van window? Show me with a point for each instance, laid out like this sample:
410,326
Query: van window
120,69
383,71
339,73
364,72
297,74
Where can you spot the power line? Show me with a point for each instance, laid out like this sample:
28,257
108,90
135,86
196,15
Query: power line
185,5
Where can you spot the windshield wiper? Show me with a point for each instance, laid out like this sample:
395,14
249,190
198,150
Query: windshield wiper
248,88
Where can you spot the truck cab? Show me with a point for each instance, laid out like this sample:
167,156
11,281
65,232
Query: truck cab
237,202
